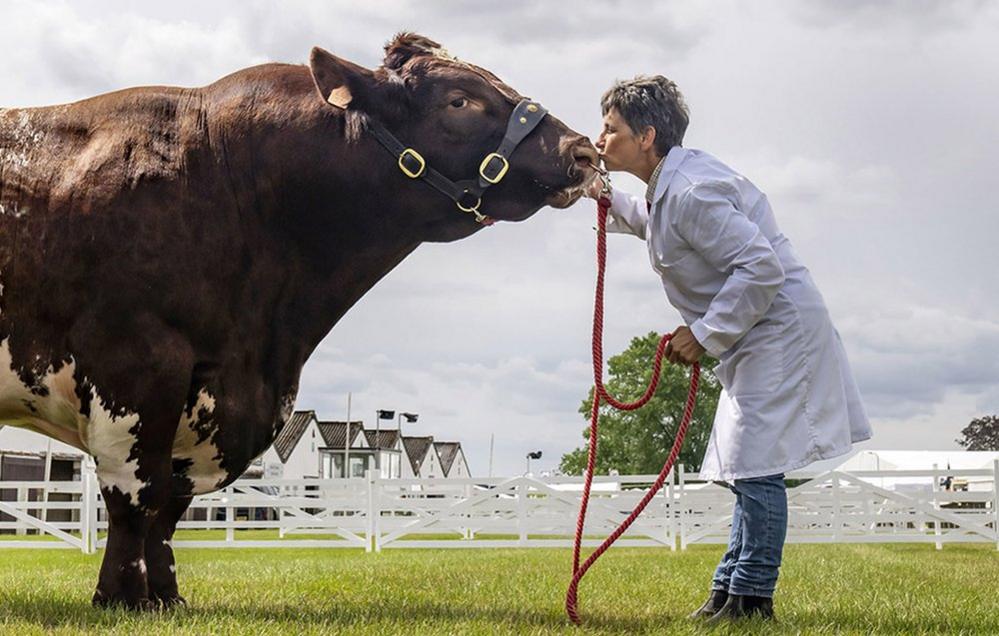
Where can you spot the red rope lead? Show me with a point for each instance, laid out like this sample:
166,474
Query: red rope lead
601,393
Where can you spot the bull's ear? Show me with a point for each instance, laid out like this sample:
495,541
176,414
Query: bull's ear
340,82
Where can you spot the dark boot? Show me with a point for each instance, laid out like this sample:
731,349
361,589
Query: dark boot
712,605
737,607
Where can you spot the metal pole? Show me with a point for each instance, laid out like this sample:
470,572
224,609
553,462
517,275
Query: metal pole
378,443
492,437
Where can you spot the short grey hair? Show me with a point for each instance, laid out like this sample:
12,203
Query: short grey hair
650,101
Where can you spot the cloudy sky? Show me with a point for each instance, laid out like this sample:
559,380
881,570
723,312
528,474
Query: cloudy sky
872,127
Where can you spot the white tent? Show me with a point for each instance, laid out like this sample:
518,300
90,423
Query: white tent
921,460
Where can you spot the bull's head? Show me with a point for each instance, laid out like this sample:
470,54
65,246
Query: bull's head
453,115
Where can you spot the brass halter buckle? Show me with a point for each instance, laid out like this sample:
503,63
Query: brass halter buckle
409,155
488,162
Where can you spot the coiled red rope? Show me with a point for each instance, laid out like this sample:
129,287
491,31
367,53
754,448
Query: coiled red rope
603,205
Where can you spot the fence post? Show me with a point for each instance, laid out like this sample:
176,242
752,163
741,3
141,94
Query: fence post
88,507
836,520
468,534
682,505
374,514
671,509
22,499
935,487
522,513
230,515
995,497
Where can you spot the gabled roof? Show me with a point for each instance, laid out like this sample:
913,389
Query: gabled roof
291,432
447,451
416,450
386,438
334,433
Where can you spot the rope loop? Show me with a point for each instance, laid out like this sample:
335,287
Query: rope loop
600,392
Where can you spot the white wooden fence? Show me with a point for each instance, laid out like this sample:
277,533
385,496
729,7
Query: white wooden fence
375,514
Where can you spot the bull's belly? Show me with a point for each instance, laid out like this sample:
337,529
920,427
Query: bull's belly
50,407
53,407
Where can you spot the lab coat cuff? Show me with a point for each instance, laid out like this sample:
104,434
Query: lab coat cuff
705,337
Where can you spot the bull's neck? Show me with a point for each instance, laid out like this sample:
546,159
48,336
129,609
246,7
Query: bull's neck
339,227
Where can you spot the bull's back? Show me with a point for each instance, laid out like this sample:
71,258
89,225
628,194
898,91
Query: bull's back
76,158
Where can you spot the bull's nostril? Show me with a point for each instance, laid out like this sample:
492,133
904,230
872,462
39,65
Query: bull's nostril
585,155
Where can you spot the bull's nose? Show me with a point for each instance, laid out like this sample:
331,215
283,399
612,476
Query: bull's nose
585,155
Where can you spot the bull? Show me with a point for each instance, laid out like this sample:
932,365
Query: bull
170,257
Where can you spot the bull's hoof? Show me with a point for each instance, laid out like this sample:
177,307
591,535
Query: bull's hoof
168,601
109,601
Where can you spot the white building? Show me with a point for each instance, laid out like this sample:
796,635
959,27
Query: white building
386,445
452,459
295,451
427,458
338,451
308,448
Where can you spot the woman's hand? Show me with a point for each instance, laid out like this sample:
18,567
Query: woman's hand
683,348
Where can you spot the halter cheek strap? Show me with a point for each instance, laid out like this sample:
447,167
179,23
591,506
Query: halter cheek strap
466,194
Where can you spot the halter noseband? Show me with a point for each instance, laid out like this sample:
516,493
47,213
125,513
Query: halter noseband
467,194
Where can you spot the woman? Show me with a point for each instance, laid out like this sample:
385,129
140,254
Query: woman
788,396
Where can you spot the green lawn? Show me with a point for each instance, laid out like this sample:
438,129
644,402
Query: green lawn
824,589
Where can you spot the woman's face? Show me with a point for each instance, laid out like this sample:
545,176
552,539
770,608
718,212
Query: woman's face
619,146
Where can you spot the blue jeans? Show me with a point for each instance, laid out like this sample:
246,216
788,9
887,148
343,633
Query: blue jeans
759,526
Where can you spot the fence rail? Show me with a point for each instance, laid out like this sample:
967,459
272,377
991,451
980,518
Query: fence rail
373,514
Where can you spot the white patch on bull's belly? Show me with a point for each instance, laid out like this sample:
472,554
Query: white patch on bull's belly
104,435
206,472
56,414
110,439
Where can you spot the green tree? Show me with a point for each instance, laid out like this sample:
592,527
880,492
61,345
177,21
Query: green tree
638,442
982,434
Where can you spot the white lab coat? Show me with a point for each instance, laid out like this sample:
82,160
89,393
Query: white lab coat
788,396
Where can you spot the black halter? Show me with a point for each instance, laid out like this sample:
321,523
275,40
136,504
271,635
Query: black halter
467,194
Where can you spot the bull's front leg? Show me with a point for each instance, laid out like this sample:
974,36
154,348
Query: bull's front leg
139,379
132,504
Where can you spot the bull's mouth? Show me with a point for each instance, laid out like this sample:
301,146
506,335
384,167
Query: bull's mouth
560,197
565,198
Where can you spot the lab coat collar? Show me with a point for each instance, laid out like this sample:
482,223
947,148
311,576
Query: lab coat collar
674,158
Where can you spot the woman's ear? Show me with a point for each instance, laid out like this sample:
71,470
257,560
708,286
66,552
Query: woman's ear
648,138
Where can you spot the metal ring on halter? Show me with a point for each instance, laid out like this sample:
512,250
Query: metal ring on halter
473,209
604,176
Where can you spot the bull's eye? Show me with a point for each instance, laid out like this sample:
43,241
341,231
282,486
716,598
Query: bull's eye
459,102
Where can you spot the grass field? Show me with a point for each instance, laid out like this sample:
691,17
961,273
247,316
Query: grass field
824,589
